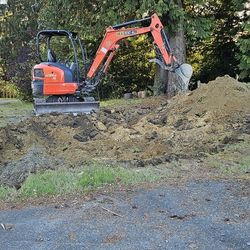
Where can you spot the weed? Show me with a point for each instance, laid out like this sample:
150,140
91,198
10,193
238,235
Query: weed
102,175
96,177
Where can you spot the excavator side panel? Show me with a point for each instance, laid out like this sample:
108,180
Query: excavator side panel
53,79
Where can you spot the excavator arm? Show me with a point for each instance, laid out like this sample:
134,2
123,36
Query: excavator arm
109,46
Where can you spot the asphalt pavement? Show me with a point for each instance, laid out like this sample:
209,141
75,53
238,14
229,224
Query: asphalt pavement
200,214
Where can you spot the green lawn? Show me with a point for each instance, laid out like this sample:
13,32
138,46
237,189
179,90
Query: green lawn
13,111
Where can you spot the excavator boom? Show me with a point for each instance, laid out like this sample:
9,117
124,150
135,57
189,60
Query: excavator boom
114,34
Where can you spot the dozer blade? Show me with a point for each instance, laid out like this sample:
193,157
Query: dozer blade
65,107
184,71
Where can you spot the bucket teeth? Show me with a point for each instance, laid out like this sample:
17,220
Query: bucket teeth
65,107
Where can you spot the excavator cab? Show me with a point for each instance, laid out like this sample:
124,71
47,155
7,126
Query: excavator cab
63,48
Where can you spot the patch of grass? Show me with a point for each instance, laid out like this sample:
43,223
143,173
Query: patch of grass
6,192
230,168
103,175
96,177
72,181
49,183
14,111
120,102
233,161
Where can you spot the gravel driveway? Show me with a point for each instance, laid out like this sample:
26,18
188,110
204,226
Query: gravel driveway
195,215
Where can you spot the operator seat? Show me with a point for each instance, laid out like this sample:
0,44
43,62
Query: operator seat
51,56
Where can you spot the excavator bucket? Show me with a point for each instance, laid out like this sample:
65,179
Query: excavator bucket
66,107
184,71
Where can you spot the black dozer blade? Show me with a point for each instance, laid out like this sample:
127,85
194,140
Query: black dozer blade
66,107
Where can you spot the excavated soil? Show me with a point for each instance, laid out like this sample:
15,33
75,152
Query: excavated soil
159,130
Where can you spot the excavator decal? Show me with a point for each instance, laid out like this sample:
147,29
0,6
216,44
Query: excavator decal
127,33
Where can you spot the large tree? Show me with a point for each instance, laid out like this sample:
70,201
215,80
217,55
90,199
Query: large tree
216,54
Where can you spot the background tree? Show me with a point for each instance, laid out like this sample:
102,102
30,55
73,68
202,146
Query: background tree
18,28
216,53
244,45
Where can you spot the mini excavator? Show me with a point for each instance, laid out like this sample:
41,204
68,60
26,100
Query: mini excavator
66,86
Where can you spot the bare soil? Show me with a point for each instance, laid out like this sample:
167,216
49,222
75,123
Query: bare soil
188,126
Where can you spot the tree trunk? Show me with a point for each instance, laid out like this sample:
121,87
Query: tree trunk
165,81
160,81
177,42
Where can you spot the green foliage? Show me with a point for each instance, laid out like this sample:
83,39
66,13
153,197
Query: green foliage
130,69
199,22
8,90
216,52
244,53
18,28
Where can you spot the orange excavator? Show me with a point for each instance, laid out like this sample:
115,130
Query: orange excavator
66,87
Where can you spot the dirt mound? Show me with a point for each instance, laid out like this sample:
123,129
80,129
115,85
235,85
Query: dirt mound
218,99
159,130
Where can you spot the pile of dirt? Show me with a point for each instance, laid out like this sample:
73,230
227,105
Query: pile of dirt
159,130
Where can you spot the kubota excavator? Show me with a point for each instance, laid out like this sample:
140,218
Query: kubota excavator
64,87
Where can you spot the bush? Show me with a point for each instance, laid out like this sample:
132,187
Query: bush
8,90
